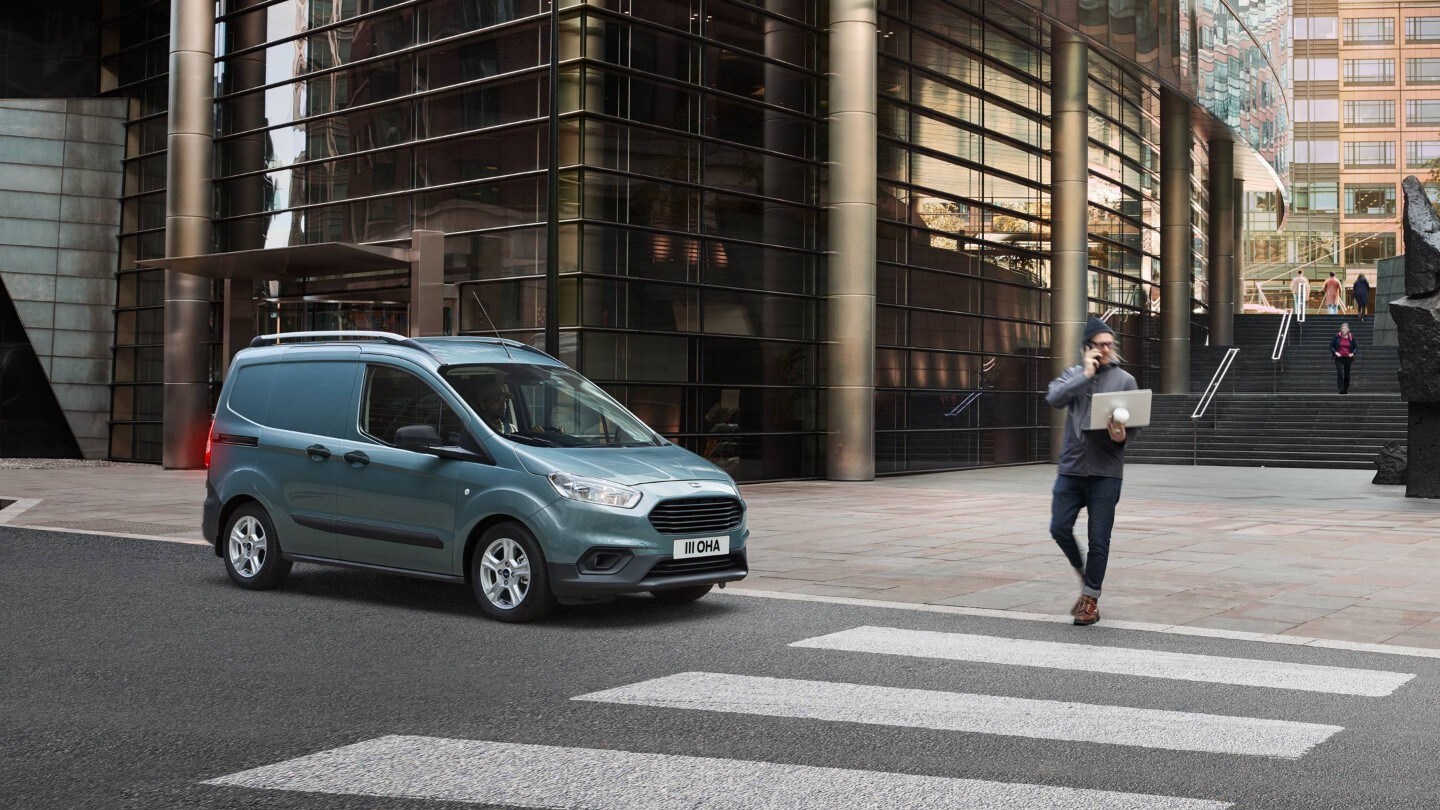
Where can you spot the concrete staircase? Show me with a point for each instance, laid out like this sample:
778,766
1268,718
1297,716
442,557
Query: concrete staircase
1286,414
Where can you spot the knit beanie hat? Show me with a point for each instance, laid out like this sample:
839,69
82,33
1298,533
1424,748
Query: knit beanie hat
1094,327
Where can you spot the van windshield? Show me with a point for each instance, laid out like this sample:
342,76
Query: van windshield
546,406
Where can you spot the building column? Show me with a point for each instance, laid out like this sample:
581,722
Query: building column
1239,261
1221,279
188,211
850,398
1176,271
1069,210
427,283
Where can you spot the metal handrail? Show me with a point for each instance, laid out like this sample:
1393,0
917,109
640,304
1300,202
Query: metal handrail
1282,338
968,401
1204,404
1282,335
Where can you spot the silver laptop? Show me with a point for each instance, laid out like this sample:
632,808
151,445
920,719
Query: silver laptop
1137,402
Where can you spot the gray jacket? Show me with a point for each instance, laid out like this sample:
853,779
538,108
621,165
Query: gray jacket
1089,452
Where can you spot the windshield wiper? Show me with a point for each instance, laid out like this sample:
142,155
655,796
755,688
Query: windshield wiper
534,441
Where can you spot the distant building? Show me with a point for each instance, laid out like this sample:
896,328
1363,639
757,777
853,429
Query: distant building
1367,113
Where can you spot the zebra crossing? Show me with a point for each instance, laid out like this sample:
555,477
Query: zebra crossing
550,776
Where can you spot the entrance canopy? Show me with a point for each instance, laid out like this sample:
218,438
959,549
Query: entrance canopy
326,258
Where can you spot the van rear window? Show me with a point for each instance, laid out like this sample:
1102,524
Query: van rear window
250,392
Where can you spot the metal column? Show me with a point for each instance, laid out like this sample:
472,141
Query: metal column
1069,205
1221,281
427,283
850,411
1176,270
1239,236
188,211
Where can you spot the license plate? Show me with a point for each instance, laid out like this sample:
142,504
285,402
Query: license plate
701,547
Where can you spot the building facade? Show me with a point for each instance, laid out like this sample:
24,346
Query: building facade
799,238
1367,113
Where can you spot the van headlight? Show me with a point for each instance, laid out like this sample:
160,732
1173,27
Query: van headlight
594,490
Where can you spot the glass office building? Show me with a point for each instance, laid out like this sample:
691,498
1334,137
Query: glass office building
649,189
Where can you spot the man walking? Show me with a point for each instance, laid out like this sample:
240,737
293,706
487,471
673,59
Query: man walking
1300,291
1362,295
1092,463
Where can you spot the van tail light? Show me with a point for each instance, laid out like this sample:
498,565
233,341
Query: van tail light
209,439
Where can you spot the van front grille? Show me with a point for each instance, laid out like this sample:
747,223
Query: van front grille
696,515
700,565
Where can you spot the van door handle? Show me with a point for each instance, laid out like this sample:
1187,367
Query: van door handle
357,458
319,452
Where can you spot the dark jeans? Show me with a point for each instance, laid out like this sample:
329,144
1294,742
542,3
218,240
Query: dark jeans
1342,374
1097,494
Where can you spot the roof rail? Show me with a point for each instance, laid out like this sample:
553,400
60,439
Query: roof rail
497,341
341,336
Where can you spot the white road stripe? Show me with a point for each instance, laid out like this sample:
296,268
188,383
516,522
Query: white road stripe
1108,624
1111,660
982,714
484,772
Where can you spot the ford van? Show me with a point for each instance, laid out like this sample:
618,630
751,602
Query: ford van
481,461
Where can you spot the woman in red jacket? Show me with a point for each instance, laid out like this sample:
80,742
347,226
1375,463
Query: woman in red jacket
1343,346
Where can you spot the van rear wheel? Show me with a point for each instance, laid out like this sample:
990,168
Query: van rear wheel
253,558
509,576
679,596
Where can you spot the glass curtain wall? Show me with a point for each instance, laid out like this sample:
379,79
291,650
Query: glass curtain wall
962,315
1125,213
134,65
691,226
362,120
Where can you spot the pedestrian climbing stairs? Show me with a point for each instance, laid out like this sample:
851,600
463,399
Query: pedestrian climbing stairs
1285,414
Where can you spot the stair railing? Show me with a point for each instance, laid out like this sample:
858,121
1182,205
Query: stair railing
1281,338
1204,404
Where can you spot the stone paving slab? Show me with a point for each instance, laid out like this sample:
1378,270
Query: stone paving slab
1315,553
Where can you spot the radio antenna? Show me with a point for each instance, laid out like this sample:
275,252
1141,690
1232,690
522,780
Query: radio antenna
492,324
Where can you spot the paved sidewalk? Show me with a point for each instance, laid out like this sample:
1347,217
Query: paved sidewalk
1313,553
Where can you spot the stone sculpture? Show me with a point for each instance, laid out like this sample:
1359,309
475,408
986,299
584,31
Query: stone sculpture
1417,320
1390,466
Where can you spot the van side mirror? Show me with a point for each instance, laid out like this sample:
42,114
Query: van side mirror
418,438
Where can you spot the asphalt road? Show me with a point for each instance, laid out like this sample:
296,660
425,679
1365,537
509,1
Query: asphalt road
133,672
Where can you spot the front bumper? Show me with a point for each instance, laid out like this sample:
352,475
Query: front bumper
642,573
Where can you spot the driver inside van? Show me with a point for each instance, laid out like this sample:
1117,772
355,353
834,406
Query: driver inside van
493,404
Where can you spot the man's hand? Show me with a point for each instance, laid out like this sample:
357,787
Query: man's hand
1117,431
1092,362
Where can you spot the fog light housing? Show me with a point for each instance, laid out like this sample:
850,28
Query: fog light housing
604,560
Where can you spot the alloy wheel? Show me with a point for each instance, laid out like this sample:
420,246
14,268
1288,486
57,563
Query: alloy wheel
248,550
505,573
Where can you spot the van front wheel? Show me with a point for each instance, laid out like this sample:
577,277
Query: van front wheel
509,576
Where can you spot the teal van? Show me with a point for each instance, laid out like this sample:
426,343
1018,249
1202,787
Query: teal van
466,460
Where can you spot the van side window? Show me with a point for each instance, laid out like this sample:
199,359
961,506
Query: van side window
395,398
312,397
250,392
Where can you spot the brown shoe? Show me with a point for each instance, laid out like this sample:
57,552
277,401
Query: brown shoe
1087,611
1075,609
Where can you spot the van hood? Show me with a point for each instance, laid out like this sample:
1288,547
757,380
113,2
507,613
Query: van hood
623,465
